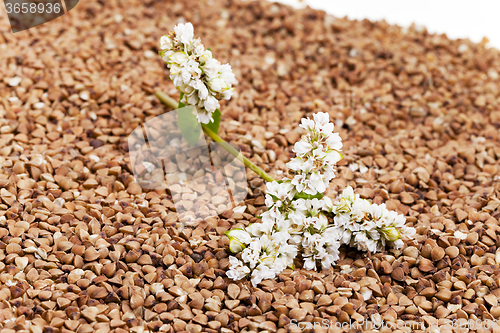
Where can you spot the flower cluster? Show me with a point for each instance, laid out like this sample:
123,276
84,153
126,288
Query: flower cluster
369,227
201,79
302,223
317,153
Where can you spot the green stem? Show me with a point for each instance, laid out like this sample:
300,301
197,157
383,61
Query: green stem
262,174
169,101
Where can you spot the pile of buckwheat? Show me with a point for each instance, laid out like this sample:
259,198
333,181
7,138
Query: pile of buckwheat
84,248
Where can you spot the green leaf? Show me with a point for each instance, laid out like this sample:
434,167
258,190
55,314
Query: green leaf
303,195
188,124
181,105
214,125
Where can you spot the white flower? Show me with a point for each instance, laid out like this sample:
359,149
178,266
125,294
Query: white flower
179,58
309,263
237,270
316,183
240,235
211,104
262,272
199,49
301,148
332,157
165,43
201,78
300,164
255,229
288,252
281,191
315,227
251,256
320,222
307,124
205,56
299,205
227,74
184,33
204,116
391,234
313,206
322,118
218,84
334,141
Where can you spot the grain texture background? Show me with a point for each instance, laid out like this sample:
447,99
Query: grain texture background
83,248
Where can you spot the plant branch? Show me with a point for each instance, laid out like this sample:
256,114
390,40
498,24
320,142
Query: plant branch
261,173
169,101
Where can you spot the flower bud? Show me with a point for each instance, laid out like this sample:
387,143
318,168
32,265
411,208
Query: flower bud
343,206
268,260
322,222
165,43
235,246
179,57
240,235
392,233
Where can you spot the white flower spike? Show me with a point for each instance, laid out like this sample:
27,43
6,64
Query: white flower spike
313,227
201,79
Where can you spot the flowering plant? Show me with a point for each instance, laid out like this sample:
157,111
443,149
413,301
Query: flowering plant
201,79
313,228
300,223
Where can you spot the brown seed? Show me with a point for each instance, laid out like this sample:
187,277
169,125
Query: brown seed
442,312
472,238
134,188
21,262
97,292
18,167
91,254
444,295
283,320
452,251
406,198
297,314
264,305
386,267
212,305
425,265
324,300
437,253
411,251
492,300
90,313
233,290
268,326
63,302
398,274
495,311
192,328
307,296
318,287
426,251
13,248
